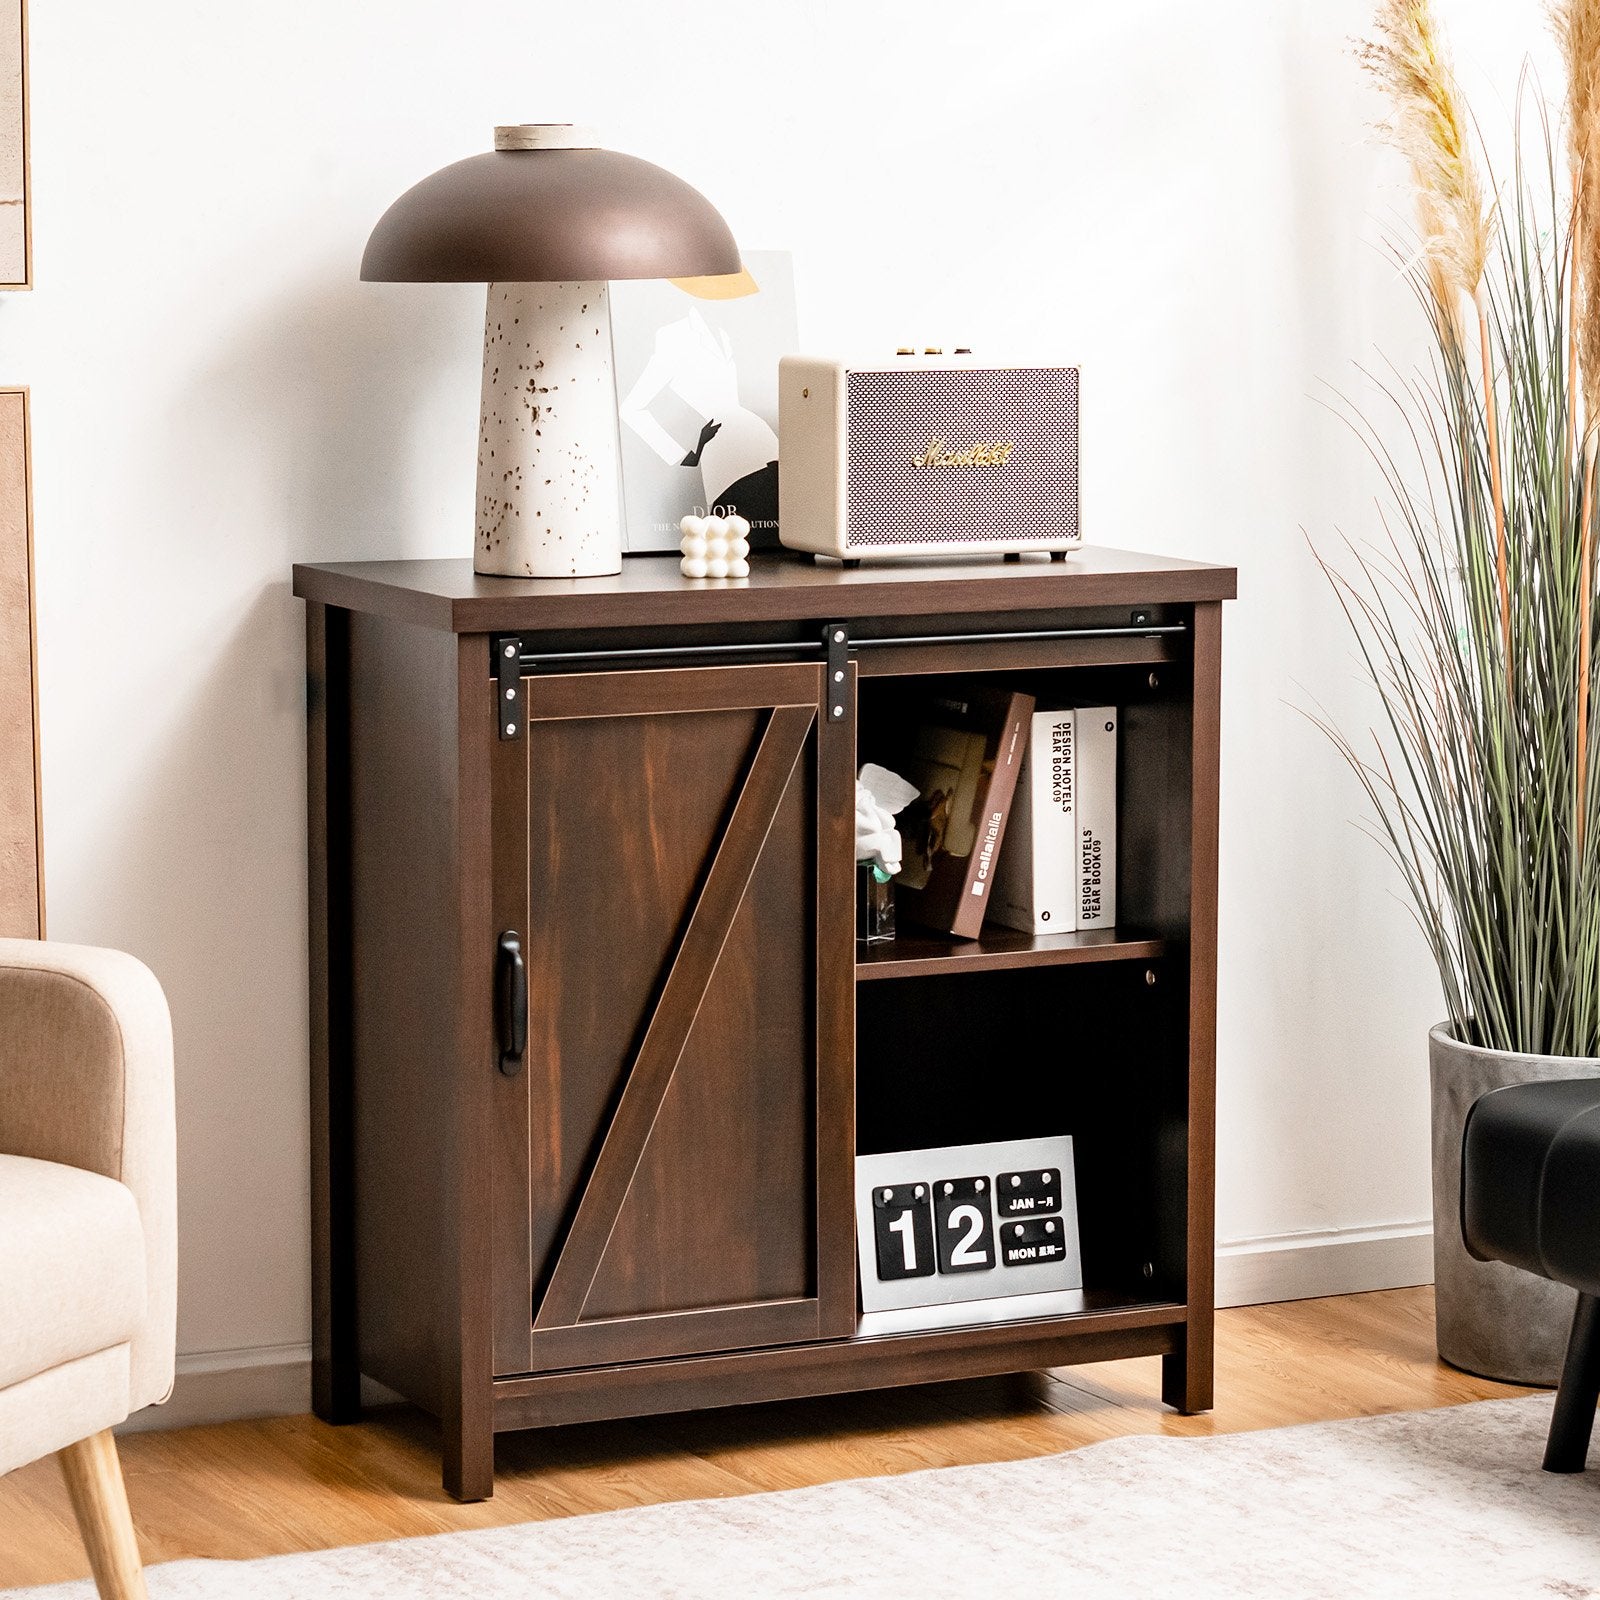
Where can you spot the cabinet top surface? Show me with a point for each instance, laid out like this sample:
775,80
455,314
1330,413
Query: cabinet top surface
650,590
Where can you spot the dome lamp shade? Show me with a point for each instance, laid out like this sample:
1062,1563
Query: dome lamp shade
546,219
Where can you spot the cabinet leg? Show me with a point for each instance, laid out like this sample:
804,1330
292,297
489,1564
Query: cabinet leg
1186,1374
335,1361
468,1461
335,1390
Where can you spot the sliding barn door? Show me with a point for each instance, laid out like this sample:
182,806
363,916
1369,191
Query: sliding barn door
674,1176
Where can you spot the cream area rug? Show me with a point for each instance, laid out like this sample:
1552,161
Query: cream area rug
1447,1503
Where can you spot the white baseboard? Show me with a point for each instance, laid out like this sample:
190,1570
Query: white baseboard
275,1380
228,1385
1306,1266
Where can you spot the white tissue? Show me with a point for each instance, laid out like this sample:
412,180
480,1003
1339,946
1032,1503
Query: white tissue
880,794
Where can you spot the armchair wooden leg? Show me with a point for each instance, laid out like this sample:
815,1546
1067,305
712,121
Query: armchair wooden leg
100,1502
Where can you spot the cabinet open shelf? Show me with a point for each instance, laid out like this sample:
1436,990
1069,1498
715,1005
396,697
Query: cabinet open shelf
1086,1051
1107,1309
925,955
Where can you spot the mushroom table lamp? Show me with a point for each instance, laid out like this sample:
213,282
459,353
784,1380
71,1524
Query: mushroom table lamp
546,219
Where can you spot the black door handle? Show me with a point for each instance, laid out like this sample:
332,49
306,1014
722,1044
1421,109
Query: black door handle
511,1002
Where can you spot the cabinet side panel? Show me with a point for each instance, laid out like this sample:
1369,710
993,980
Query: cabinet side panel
1187,1378
404,920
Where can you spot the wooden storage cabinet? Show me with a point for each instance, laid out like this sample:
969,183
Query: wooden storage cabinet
646,1203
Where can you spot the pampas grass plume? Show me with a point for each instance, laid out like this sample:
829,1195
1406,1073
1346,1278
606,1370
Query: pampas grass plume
1428,126
1577,30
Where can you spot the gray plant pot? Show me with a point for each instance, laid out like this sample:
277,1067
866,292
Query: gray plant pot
1494,1320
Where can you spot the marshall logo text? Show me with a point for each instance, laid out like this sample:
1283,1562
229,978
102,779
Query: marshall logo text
940,454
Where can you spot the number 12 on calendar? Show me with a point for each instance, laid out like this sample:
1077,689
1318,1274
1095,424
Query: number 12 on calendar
920,1229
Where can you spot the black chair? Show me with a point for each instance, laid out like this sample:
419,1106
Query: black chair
1530,1196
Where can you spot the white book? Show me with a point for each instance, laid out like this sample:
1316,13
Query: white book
1036,880
1096,856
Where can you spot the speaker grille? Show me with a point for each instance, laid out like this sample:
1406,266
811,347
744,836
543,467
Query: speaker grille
893,416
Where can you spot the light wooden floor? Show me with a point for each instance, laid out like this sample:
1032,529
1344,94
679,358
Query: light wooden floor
261,1488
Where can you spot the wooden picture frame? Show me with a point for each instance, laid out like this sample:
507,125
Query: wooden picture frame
21,831
16,223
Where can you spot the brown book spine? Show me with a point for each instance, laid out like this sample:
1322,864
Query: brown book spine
973,905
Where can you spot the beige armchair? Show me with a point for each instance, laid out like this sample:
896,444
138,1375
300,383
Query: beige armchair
88,1227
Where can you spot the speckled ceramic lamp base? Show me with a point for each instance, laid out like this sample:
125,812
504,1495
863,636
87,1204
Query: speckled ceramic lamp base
549,493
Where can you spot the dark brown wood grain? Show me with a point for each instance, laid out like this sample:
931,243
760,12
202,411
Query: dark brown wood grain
467,1309
403,965
1187,1373
554,697
512,1130
833,888
650,590
676,1012
728,1325
834,1367
622,812
915,954
335,1369
1017,655
716,1201
657,1211
419,731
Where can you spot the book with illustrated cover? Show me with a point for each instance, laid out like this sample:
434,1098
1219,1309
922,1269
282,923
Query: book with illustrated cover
965,757
1097,816
697,397
1036,884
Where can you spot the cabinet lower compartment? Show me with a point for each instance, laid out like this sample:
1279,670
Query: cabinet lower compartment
792,1372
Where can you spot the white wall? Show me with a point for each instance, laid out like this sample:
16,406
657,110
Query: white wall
1180,196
